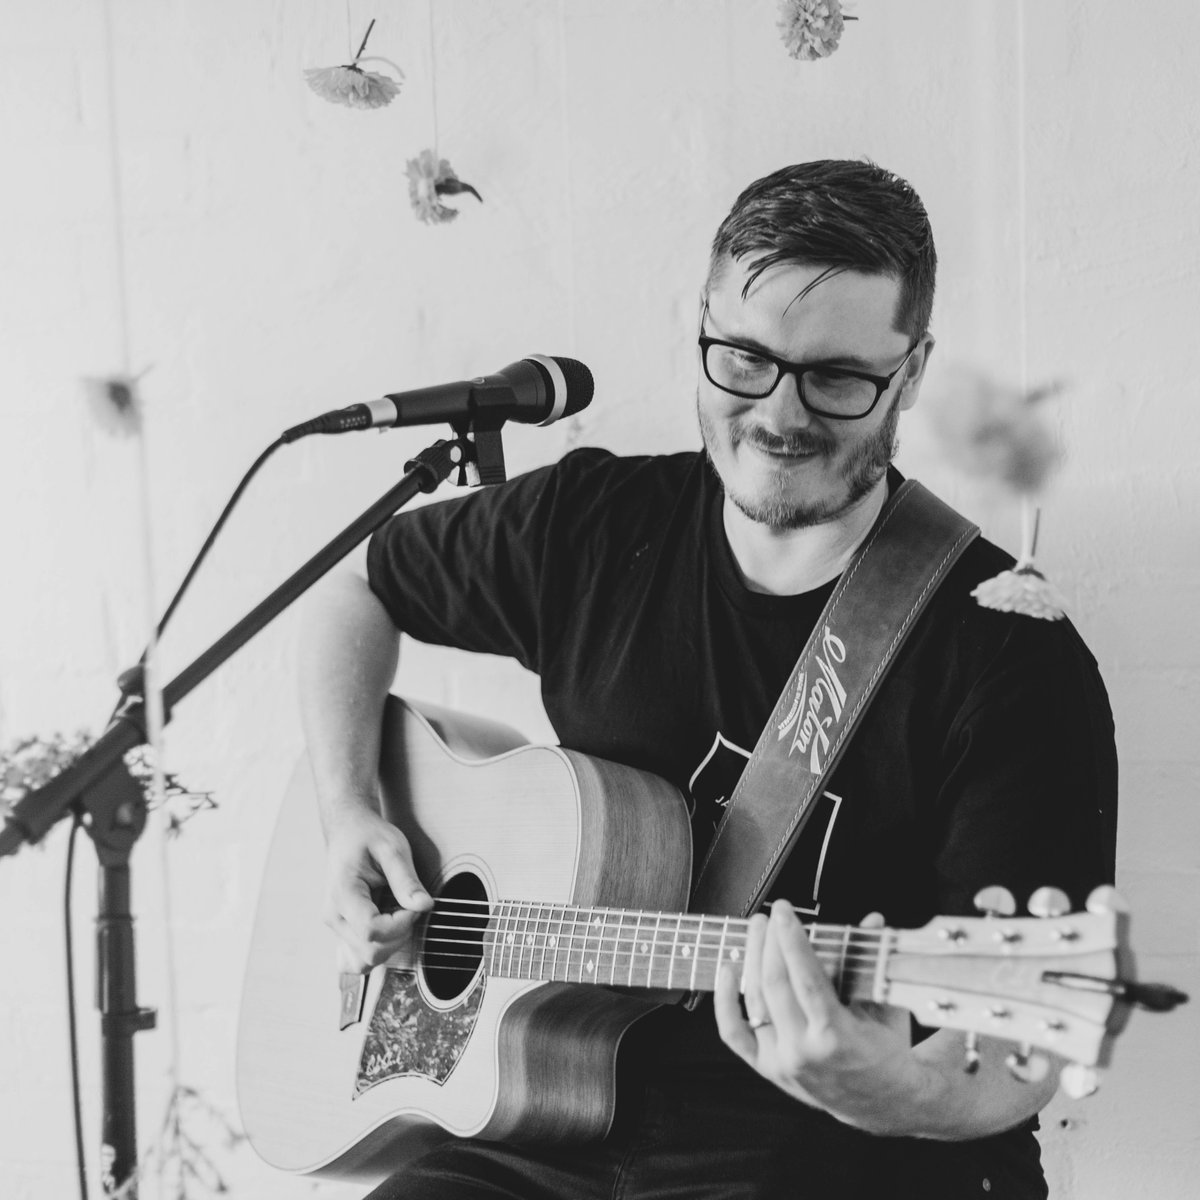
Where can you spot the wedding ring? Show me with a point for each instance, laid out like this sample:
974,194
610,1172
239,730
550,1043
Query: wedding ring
758,1022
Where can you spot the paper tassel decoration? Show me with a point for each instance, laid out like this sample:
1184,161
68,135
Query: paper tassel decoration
811,29
1001,434
429,179
351,85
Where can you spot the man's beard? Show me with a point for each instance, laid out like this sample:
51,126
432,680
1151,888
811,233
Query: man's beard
860,473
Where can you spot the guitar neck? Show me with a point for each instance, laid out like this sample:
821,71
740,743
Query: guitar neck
627,948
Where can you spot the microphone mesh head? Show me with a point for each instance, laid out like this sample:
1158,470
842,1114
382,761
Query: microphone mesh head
580,385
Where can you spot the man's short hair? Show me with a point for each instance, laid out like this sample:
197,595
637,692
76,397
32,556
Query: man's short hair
835,213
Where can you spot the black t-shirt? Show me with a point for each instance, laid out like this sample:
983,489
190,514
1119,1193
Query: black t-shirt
986,759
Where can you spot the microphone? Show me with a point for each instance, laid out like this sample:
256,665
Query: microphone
537,390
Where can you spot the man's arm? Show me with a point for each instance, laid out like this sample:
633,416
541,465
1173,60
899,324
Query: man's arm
349,651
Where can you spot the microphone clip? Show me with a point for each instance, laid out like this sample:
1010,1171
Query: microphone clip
478,436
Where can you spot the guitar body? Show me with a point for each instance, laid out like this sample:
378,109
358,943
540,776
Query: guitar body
460,1052
560,884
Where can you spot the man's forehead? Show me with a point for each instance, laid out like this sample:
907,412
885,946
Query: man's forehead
785,294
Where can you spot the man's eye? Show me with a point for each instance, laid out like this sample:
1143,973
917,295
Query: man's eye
831,381
746,360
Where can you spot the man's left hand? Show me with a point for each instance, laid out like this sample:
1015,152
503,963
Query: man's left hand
854,1062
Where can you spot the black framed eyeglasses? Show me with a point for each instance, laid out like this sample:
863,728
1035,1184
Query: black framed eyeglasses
752,373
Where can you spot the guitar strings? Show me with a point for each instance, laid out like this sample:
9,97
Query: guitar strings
577,932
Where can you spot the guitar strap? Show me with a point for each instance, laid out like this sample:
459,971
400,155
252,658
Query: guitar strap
911,547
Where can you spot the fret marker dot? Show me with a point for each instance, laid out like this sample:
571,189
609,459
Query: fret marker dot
554,941
591,966
644,947
686,952
509,939
529,939
735,954
596,922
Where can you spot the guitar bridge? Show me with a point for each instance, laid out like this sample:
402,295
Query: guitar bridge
353,987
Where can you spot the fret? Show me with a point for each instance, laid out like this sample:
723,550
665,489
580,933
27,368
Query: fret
514,943
556,941
571,940
489,939
633,949
841,982
595,932
652,958
504,938
543,940
694,953
720,951
671,960
527,940
583,927
615,943
882,949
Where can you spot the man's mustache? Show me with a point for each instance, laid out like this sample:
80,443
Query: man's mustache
798,443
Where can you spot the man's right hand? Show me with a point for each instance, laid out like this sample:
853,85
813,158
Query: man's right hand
364,852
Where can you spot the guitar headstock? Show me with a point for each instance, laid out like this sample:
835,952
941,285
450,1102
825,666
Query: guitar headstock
1059,981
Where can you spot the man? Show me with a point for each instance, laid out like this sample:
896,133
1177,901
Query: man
664,601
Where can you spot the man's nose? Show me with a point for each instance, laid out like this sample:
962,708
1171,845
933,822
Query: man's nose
782,408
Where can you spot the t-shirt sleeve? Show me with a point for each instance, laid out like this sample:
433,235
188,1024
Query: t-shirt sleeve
470,572
1029,794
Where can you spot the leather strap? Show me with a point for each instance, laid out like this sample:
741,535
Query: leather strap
913,544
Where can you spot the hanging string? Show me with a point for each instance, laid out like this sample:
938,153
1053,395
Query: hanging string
152,692
1029,510
433,101
573,426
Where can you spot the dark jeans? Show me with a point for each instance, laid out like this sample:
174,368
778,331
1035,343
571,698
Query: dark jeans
713,1130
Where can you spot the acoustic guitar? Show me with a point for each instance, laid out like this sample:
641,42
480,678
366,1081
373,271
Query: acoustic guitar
560,882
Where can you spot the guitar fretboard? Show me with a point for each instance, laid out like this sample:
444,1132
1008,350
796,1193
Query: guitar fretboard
628,948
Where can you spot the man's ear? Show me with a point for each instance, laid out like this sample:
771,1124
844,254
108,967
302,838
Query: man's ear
914,372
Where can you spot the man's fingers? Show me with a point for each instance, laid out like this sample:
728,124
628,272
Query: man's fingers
396,864
734,1031
793,974
752,992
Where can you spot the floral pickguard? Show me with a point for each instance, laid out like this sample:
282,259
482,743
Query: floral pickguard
406,1036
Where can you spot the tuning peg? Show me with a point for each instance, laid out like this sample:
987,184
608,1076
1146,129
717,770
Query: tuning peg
1026,1066
1079,1081
1049,902
1106,899
971,1053
996,902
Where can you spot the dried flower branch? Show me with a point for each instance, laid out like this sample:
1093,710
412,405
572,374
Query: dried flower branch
32,762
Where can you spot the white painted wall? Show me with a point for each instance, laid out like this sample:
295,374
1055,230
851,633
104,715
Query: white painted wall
258,260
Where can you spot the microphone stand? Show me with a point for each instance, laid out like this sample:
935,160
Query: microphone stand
99,786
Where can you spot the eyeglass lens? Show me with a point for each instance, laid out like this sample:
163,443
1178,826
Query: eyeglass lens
747,374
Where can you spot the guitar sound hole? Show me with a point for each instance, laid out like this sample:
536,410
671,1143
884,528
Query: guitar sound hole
453,946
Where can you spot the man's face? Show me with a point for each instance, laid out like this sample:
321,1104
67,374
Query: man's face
780,464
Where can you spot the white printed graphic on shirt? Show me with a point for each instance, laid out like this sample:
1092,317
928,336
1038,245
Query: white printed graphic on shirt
711,786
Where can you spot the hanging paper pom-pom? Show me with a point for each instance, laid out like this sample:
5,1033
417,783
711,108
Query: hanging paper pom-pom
993,431
429,179
811,29
351,85
1000,434
114,404
1023,590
